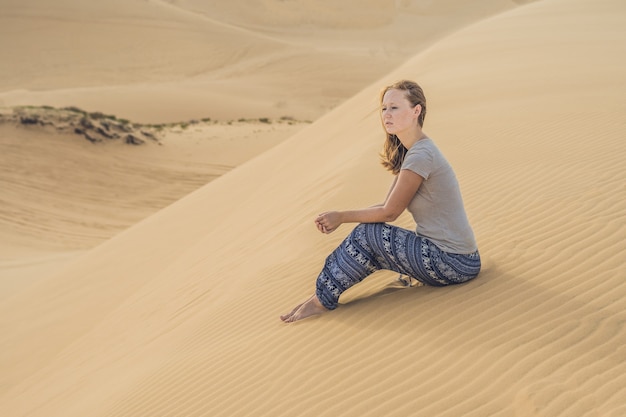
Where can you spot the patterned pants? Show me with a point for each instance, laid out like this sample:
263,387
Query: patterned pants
373,246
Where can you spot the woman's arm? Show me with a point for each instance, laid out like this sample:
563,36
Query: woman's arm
402,191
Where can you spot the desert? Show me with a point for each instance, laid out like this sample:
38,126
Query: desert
145,276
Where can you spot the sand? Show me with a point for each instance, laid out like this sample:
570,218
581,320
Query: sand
165,61
63,195
177,314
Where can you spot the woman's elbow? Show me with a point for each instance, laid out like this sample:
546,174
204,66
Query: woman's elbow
391,215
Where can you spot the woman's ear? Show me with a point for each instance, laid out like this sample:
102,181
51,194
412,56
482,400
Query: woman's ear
418,110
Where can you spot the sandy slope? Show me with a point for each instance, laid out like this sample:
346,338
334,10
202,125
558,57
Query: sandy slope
62,195
166,61
179,314
171,61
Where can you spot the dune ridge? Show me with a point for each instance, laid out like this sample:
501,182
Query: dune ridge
178,315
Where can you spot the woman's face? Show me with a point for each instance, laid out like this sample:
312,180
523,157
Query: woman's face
397,112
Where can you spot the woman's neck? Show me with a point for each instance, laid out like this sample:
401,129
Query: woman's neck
408,139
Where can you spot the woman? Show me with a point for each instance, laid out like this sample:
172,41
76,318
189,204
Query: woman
441,251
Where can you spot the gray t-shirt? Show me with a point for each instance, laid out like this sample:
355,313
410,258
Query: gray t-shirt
437,207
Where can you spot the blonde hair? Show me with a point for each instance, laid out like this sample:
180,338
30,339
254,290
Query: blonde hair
394,151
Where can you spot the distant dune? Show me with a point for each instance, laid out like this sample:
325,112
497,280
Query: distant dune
178,314
166,61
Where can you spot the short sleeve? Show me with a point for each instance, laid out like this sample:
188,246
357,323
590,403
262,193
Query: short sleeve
420,161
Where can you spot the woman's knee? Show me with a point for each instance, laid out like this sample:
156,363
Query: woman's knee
370,240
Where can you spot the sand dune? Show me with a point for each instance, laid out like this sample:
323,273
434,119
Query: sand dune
178,315
62,195
164,61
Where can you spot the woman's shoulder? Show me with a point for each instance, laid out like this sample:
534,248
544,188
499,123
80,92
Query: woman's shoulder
426,155
422,148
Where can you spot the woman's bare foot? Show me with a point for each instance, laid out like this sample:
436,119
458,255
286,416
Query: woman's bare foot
310,307
284,317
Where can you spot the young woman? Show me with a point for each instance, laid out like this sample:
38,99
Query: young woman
441,251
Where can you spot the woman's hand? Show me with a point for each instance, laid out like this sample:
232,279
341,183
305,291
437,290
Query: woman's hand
328,222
